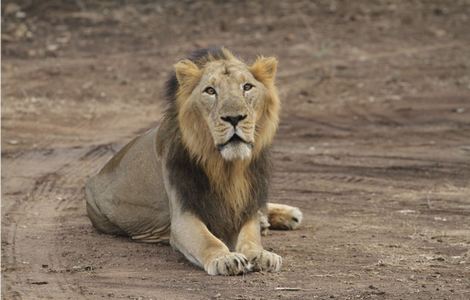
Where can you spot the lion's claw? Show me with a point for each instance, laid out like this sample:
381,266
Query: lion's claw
229,264
267,261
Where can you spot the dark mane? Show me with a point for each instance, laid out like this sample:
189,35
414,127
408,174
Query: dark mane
190,179
197,196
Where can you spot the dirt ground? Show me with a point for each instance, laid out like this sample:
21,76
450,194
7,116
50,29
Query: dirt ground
373,145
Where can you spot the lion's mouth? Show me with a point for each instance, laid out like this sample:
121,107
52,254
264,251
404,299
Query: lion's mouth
235,139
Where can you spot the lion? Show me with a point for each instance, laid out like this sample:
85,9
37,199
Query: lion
200,179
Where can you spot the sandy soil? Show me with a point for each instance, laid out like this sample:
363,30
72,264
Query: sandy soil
373,146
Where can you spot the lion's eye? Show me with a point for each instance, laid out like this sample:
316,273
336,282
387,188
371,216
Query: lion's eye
247,86
210,90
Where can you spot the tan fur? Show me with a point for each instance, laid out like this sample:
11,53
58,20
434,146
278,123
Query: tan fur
134,194
284,217
249,243
230,180
264,70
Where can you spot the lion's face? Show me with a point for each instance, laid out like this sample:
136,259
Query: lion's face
228,98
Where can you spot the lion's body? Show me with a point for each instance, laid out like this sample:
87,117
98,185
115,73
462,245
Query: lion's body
128,196
184,182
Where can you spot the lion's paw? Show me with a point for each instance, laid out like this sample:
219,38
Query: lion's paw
284,217
229,264
267,261
296,217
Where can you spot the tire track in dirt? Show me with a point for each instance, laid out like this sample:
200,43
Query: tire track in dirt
21,212
70,198
53,196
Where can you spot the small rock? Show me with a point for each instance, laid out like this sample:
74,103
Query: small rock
32,53
20,14
407,211
223,26
394,97
87,85
198,44
439,33
289,37
379,293
21,31
52,47
11,8
439,258
439,11
63,40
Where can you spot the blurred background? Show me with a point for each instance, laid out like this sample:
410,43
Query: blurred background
373,145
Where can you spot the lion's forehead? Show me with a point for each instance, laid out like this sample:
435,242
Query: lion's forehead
226,73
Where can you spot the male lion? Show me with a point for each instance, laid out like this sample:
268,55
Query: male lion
200,179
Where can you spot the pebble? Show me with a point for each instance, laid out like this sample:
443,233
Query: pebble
52,47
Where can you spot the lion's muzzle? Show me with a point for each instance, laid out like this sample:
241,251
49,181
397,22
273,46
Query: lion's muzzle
235,139
235,148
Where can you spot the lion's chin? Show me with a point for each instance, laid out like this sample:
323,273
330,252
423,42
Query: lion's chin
236,151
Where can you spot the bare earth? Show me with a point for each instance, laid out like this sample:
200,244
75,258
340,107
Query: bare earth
374,144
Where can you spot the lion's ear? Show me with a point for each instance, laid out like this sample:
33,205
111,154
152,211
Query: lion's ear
187,73
264,69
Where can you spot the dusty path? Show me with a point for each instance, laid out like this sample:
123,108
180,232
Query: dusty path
374,146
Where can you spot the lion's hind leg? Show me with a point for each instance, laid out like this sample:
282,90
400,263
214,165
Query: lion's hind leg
100,221
157,235
283,217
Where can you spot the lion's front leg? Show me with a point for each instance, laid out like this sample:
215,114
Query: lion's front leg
249,243
192,238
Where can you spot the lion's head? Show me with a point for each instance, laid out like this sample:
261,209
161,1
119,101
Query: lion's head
225,106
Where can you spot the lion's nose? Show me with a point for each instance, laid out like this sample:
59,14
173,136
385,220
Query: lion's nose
234,120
